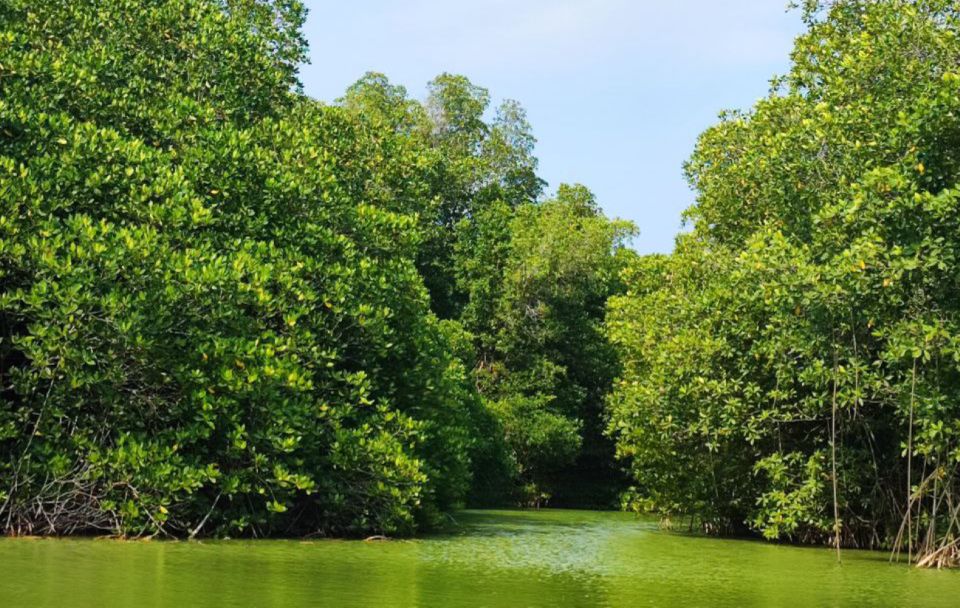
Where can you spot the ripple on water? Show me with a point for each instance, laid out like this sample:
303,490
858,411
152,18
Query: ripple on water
493,558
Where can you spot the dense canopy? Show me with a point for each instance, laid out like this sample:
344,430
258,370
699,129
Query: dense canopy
793,367
226,308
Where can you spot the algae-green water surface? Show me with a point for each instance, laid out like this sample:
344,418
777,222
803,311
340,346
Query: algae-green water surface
493,558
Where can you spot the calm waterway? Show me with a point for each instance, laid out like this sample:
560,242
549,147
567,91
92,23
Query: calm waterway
494,558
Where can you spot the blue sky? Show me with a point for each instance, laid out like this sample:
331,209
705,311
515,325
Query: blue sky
616,90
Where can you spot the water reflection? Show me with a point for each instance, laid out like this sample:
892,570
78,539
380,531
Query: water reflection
494,558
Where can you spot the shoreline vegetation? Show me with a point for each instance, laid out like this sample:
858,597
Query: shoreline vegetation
791,369
230,310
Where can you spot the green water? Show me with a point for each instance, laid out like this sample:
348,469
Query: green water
495,558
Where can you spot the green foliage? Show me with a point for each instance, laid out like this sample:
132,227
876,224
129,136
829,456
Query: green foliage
545,362
523,282
228,309
212,320
821,272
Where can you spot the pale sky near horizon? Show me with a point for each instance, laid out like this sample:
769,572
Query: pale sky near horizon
616,90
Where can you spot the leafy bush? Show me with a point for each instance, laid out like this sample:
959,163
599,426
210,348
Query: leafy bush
212,321
792,366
